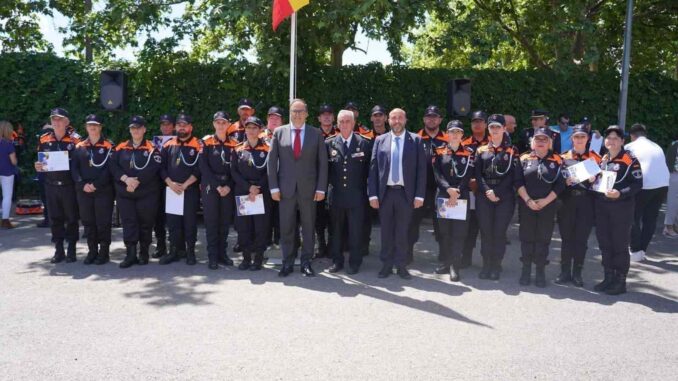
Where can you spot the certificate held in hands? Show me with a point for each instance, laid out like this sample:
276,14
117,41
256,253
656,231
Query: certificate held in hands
605,182
174,203
583,171
245,207
457,212
54,161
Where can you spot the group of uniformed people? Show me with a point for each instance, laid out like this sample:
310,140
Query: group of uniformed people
485,169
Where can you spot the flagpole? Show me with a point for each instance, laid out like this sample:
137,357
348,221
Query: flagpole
293,57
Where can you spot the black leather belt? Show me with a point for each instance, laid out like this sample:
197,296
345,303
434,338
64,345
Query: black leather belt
395,187
492,181
58,183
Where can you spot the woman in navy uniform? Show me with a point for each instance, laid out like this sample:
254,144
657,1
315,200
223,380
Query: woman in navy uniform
539,181
248,168
575,218
614,211
94,190
216,190
495,166
135,166
452,169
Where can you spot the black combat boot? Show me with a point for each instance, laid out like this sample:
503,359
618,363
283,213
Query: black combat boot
103,257
246,261
92,252
59,254
258,262
565,275
143,254
540,276
525,274
160,249
619,285
607,281
576,276
70,252
131,257
190,254
169,257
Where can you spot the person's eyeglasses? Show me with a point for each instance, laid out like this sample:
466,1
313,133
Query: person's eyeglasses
297,111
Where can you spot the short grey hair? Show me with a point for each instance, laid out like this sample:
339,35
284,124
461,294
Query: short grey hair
295,100
346,113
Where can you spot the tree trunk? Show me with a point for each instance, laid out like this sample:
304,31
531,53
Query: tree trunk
337,55
88,39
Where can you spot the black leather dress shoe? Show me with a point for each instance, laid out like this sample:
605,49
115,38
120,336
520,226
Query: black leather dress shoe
335,268
494,275
454,274
307,270
385,272
285,271
440,270
213,265
352,270
403,273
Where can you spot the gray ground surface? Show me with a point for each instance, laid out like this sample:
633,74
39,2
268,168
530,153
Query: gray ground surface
71,321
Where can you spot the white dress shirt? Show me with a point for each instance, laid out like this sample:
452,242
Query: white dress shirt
652,162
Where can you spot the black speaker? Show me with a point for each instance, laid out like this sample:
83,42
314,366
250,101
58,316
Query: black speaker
459,97
113,90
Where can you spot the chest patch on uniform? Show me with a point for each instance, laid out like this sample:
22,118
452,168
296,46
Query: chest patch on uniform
637,173
191,152
552,166
463,160
615,167
358,154
334,152
157,158
262,155
101,150
145,153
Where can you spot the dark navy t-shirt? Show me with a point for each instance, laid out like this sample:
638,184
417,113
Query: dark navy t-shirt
6,148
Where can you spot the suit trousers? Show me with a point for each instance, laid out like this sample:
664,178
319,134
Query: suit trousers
395,214
288,208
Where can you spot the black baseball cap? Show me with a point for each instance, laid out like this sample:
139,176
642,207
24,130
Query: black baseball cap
455,125
137,121
59,113
432,111
614,128
325,108
221,115
496,119
184,118
92,119
476,115
275,110
538,113
542,131
579,129
254,120
245,103
351,105
166,118
585,120
378,109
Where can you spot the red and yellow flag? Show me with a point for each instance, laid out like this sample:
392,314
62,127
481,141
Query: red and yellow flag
283,9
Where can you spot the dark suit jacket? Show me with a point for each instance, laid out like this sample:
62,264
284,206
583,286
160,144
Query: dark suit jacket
414,166
297,177
348,171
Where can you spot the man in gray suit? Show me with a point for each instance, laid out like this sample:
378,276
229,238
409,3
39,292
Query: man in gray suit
396,186
297,176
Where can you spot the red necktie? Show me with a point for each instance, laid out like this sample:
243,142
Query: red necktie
297,143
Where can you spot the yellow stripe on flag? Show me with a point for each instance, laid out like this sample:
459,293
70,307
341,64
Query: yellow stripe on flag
297,4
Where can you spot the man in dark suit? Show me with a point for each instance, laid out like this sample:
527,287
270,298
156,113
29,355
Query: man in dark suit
297,176
349,165
396,186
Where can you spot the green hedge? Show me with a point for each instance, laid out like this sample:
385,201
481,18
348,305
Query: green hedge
34,83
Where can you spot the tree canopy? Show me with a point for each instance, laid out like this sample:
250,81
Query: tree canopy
506,34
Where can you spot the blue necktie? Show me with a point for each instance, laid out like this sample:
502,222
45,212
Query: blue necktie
395,165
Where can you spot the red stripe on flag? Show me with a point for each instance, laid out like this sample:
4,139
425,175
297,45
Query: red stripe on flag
281,10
